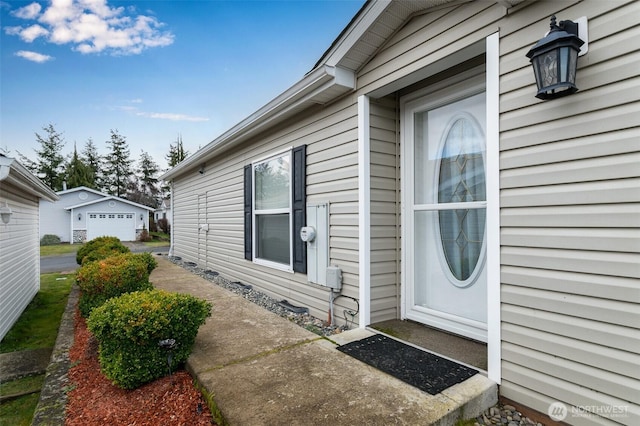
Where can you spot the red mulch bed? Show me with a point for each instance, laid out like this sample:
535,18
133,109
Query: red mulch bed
94,400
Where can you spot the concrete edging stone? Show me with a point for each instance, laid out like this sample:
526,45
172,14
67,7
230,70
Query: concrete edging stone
51,407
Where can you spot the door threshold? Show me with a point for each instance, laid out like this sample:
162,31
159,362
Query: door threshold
454,347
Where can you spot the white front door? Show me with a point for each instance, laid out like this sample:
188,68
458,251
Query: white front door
444,203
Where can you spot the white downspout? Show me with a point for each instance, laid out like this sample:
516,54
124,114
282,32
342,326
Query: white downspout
364,210
171,227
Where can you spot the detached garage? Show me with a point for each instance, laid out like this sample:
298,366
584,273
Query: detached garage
83,214
123,224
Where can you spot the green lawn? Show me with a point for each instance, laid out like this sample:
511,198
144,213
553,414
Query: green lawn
159,240
59,249
160,236
156,243
38,325
19,411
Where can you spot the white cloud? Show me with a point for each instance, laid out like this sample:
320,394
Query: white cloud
127,108
13,30
28,12
171,116
31,33
92,26
133,109
34,56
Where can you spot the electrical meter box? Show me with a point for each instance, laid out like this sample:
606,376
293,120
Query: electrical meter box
334,277
316,235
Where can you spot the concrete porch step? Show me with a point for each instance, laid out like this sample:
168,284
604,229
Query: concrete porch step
461,401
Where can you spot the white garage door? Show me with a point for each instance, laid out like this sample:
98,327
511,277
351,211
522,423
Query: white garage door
121,225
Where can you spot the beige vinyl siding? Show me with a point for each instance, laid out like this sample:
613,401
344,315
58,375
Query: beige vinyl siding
19,255
330,134
385,210
570,199
185,226
428,38
570,218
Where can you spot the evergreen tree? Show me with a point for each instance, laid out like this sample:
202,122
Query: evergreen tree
93,160
78,173
176,153
145,190
29,164
50,161
117,167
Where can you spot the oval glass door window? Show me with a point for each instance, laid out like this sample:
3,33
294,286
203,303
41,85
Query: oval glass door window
461,179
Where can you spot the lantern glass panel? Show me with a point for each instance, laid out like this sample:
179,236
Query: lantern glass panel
547,69
564,62
573,59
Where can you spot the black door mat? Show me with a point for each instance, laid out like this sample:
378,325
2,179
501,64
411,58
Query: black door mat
426,371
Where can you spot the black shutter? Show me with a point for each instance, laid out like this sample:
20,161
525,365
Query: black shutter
248,198
299,202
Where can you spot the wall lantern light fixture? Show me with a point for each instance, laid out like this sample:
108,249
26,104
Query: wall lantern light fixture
141,216
5,213
79,216
555,60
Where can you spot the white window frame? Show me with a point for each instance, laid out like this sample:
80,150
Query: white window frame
255,213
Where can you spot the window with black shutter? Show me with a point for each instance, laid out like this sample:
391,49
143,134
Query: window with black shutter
275,210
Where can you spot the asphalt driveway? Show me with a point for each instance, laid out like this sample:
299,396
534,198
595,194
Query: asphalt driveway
67,262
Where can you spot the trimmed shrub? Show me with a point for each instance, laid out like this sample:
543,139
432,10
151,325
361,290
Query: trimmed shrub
164,225
100,248
104,252
49,240
149,260
129,328
144,236
101,280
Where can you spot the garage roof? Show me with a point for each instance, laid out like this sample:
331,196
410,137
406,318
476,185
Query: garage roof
110,198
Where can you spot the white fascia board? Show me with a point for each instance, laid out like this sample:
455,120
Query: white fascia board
358,28
314,83
82,188
11,171
110,198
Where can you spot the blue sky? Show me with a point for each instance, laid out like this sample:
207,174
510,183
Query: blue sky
153,70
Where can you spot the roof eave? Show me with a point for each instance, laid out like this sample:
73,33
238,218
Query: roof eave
11,171
110,197
332,76
81,188
317,87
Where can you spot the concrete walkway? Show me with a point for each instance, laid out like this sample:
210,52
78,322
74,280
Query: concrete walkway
15,365
262,369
